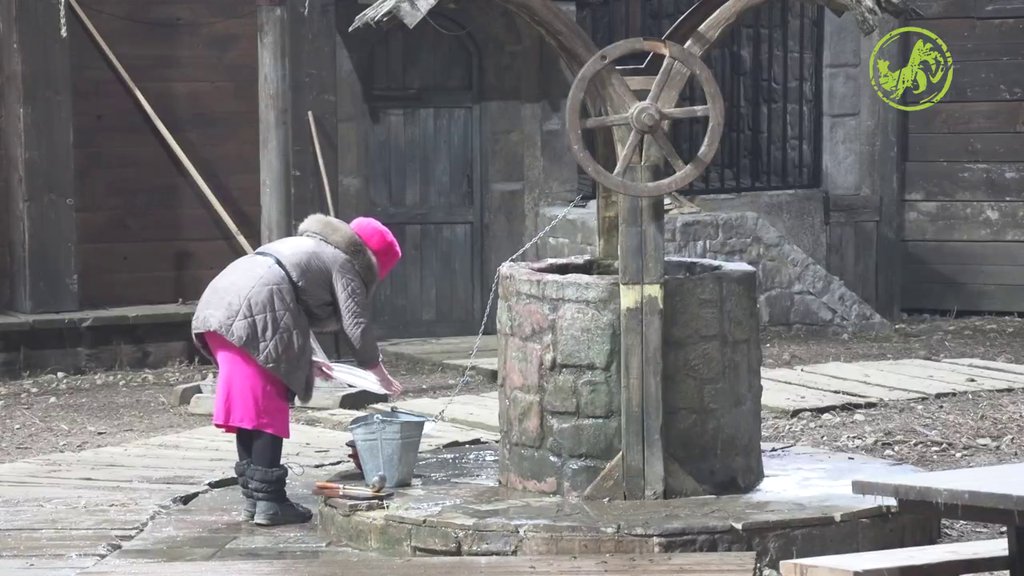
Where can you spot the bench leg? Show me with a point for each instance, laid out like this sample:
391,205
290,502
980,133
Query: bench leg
1015,537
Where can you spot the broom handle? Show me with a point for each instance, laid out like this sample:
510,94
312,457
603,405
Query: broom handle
323,169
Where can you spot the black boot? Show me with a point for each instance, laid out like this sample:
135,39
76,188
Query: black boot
273,508
242,472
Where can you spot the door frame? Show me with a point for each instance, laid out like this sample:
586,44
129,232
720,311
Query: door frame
377,100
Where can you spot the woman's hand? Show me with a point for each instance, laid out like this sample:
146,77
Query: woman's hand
322,370
393,387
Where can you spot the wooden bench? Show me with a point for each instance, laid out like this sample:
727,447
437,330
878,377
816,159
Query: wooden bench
939,560
697,564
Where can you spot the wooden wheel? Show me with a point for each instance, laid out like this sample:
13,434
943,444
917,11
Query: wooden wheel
646,119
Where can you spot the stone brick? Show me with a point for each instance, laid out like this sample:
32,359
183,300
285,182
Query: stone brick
578,475
775,307
589,437
810,310
521,369
598,395
526,420
842,42
532,470
560,392
843,88
585,337
739,306
528,319
435,540
490,543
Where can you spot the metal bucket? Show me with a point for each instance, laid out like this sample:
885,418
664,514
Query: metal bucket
388,443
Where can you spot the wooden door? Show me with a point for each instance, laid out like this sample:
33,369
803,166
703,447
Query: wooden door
424,181
964,199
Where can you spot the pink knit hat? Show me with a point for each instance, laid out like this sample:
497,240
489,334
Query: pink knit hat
380,241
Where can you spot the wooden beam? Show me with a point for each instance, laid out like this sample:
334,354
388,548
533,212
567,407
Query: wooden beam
652,218
275,120
37,134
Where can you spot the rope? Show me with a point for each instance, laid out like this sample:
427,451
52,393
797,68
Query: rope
490,302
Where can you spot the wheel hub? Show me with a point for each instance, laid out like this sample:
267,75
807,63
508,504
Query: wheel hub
645,117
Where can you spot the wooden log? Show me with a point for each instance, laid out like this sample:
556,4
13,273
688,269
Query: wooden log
632,342
652,218
275,119
37,143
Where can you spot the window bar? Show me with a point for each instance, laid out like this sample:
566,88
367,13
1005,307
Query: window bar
819,50
737,117
785,93
803,79
757,103
771,94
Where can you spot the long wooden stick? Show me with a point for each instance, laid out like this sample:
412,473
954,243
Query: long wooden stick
163,129
323,169
182,157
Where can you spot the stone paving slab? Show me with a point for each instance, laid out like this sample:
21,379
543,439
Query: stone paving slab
791,399
987,364
471,410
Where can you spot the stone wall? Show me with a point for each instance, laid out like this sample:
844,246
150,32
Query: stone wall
559,382
793,289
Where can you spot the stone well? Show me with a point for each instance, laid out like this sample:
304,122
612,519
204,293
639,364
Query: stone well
558,346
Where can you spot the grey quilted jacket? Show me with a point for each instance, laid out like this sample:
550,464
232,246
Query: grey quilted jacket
253,304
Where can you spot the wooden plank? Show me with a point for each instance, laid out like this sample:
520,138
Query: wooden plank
852,249
977,373
965,253
935,371
978,40
989,487
968,118
984,82
967,274
964,221
858,373
275,121
838,386
37,134
157,257
963,297
987,364
631,347
609,484
114,227
103,189
957,558
795,399
652,217
965,147
697,564
964,181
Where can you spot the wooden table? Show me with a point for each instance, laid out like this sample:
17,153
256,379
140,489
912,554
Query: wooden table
991,495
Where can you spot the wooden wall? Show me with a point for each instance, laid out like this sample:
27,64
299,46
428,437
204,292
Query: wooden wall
5,251
964,200
146,233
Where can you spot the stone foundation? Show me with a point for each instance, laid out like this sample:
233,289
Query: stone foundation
558,346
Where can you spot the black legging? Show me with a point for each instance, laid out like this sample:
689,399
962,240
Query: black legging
263,448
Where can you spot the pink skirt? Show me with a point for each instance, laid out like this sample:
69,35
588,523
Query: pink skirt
248,395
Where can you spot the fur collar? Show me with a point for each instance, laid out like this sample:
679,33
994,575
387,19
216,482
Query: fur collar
337,233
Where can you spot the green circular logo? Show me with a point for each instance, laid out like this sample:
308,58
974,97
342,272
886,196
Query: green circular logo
923,80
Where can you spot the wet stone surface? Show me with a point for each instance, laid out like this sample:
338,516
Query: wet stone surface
456,506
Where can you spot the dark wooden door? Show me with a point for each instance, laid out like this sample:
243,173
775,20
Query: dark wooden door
424,181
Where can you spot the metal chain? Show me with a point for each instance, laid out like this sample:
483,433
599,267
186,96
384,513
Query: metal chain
490,303
63,18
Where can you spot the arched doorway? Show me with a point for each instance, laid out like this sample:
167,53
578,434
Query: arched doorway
424,176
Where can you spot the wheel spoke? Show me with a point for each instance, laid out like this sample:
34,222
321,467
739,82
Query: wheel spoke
670,152
689,112
606,121
661,80
627,155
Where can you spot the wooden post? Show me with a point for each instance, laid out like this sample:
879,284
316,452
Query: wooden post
39,155
641,271
275,120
